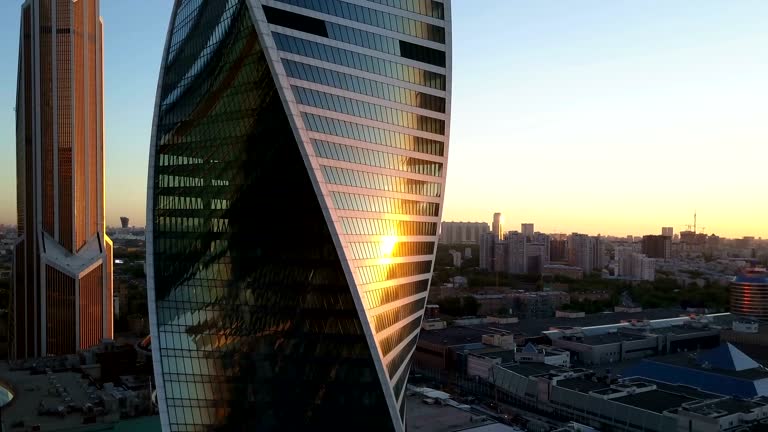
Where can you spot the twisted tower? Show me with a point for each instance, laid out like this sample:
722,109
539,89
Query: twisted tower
296,180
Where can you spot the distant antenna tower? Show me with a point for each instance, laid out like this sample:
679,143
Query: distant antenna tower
694,221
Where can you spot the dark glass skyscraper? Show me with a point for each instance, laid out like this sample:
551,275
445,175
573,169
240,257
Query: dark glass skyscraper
296,179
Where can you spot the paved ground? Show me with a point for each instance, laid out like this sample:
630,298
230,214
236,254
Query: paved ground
421,417
30,391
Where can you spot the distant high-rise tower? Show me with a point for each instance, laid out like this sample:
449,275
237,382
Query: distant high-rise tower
514,253
462,232
667,231
749,293
657,246
62,270
296,182
124,221
558,251
582,251
497,228
527,230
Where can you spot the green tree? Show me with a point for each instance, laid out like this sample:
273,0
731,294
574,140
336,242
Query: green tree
5,293
450,306
469,306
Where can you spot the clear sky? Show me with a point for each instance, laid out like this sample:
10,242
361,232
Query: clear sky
613,117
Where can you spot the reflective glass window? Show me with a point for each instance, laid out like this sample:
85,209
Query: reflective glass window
355,60
374,135
295,21
354,36
393,316
388,227
398,387
367,250
378,204
396,362
368,110
380,273
363,179
392,340
374,18
434,9
382,296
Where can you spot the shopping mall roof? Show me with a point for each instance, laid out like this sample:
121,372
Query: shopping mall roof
724,370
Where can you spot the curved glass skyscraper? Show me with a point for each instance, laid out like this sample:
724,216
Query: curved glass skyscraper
296,180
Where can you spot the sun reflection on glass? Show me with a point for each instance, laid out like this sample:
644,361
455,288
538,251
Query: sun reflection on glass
388,245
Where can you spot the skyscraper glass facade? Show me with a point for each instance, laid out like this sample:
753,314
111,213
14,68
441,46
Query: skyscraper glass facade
61,299
296,178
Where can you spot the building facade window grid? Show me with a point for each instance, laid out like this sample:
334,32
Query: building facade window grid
188,204
363,86
67,180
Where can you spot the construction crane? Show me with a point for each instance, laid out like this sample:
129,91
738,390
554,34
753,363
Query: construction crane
692,227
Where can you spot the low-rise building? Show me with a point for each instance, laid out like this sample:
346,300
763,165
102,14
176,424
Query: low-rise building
563,270
539,304
724,370
531,353
631,404
633,342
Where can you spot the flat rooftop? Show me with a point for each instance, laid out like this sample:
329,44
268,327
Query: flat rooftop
461,335
421,417
453,336
611,338
681,330
728,406
53,390
582,385
656,401
529,369
692,392
684,360
505,355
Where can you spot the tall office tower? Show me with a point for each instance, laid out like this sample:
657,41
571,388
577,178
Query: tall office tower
581,252
124,221
61,299
535,258
462,232
643,267
657,246
545,240
558,250
527,230
623,255
296,176
497,228
598,252
667,231
515,260
487,251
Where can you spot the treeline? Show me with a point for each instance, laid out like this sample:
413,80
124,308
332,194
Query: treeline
459,306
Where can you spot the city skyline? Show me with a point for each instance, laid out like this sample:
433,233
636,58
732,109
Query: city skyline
594,124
